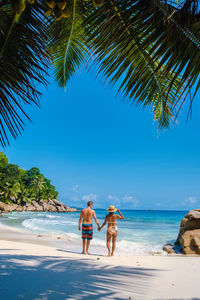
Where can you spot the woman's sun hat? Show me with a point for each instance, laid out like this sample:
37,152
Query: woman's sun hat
111,208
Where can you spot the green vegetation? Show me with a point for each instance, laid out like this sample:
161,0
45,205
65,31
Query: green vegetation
20,186
149,49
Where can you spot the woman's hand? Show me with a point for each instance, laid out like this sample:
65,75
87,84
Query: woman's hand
121,216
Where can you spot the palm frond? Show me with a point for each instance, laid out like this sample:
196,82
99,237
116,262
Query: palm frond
175,43
114,35
67,44
146,47
150,49
23,63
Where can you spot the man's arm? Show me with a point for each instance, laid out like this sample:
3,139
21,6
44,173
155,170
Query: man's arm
121,217
95,218
104,223
80,219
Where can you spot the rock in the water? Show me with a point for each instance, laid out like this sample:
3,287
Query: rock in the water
169,248
189,233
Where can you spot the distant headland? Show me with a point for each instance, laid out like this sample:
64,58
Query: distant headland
27,190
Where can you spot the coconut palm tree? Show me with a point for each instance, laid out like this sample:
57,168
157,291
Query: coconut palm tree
149,49
37,184
10,192
48,193
24,195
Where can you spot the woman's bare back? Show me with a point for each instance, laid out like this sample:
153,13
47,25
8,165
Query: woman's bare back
112,220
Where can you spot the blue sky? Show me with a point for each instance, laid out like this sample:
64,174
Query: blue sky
95,146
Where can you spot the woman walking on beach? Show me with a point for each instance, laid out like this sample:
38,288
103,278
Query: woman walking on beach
112,230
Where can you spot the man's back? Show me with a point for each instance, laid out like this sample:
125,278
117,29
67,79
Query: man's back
87,214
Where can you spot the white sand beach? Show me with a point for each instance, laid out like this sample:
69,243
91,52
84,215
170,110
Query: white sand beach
32,270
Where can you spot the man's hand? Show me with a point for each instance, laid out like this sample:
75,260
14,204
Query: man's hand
79,227
118,210
99,228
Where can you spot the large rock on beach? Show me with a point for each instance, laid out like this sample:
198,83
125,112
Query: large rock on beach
190,241
189,234
42,205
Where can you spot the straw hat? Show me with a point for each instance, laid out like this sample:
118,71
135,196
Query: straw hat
111,208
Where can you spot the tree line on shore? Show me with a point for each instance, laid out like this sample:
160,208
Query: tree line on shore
21,186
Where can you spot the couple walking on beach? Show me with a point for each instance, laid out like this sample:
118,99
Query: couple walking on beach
86,218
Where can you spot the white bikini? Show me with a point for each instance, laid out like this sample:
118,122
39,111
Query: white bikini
112,229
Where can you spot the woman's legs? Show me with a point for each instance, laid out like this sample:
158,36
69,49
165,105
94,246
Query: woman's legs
114,238
108,242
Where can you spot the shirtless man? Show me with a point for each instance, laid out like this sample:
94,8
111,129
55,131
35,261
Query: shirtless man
87,229
112,230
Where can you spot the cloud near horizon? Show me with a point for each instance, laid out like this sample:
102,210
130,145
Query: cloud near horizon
90,197
190,201
115,200
81,201
127,200
130,200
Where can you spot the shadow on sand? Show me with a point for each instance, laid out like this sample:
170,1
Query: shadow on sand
42,277
78,252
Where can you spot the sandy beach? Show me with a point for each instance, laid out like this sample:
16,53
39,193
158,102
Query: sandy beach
37,270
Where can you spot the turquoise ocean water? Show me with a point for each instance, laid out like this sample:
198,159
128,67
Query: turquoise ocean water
141,232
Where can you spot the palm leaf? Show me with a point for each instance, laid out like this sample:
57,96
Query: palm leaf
116,28
23,62
133,45
67,44
175,41
148,48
